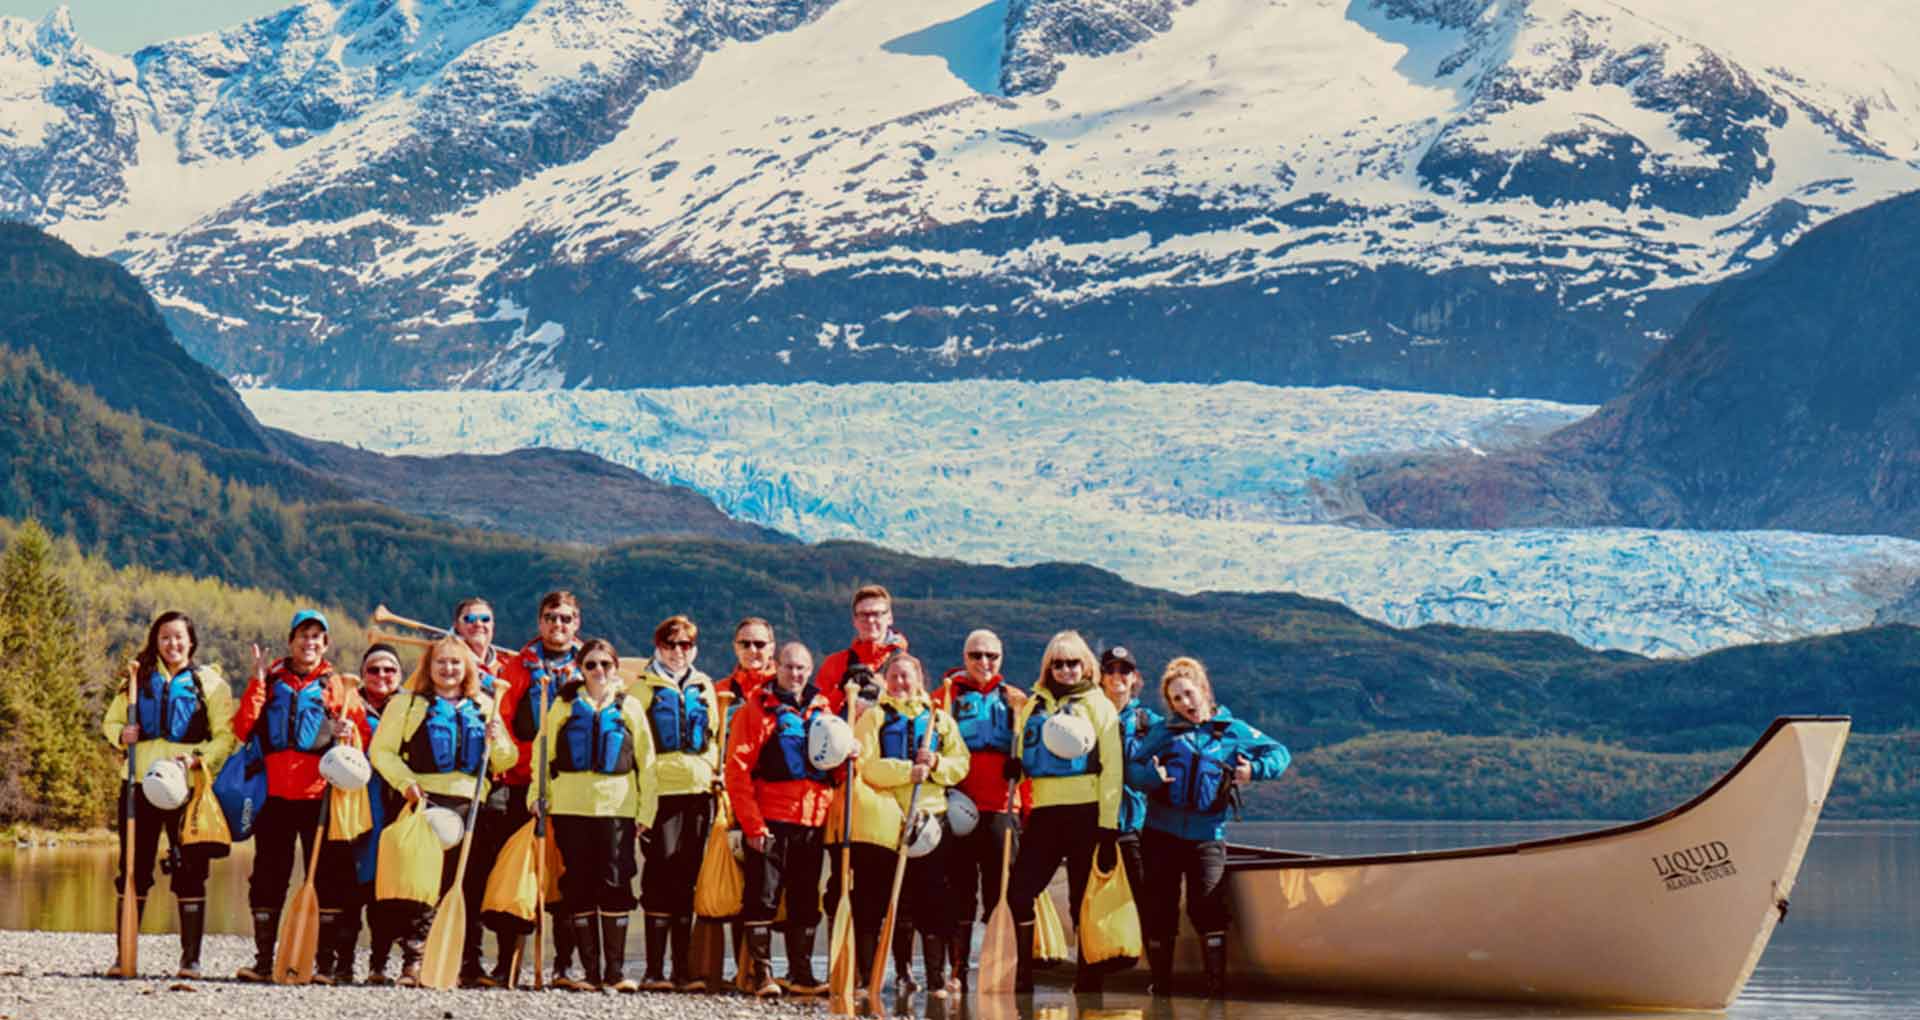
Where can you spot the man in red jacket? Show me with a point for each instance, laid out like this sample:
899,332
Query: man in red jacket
297,707
874,641
983,707
536,673
781,802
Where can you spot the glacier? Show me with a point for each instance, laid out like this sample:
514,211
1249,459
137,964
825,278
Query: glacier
1187,487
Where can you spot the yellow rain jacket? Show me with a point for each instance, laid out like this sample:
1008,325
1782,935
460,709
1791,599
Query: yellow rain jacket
149,749
634,793
1102,787
893,777
404,716
682,772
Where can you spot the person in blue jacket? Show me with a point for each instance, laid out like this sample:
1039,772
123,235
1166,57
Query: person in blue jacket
1120,679
1190,767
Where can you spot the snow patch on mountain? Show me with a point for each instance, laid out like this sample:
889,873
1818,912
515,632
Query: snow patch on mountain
1185,487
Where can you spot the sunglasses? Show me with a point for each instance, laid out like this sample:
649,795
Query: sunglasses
753,644
681,645
473,618
984,656
596,664
558,617
1067,664
381,670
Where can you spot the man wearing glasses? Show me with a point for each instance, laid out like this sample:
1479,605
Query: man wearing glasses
533,680
874,641
753,667
984,707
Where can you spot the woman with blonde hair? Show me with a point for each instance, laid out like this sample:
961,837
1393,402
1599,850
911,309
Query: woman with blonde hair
683,720
1190,765
438,740
1067,742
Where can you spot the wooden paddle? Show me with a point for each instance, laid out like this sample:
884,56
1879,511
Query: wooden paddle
440,966
300,924
880,954
129,930
539,855
840,962
998,952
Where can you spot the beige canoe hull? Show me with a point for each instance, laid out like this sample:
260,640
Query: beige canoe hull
1671,913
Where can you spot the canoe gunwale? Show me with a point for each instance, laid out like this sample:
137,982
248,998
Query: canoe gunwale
1245,857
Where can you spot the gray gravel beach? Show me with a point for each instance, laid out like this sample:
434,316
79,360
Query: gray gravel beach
56,975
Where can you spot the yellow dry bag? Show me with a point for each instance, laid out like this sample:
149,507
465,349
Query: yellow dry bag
1109,921
512,901
410,860
721,885
204,826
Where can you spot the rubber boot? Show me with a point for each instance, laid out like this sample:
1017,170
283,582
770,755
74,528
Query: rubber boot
1023,959
412,947
470,969
933,956
734,935
1213,958
959,954
903,982
586,942
323,947
1160,963
193,929
680,942
346,945
613,952
381,947
759,961
657,935
800,979
502,975
866,945
139,914
1087,978
563,948
266,929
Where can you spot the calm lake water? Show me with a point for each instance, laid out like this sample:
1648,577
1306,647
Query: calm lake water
1850,946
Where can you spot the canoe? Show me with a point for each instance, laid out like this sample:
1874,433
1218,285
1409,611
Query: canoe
1668,913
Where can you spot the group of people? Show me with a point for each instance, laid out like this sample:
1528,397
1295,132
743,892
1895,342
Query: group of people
864,751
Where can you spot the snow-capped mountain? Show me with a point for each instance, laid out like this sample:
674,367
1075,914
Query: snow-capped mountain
1519,196
1185,487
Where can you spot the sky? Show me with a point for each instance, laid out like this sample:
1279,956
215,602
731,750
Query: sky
122,26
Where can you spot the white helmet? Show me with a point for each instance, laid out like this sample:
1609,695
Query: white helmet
829,741
963,815
346,767
447,826
165,784
1067,736
923,835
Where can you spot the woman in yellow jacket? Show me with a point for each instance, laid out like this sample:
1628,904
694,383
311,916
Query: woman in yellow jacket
604,791
1066,740
906,745
181,711
683,722
437,741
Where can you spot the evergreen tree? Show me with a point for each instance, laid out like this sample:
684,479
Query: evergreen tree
60,774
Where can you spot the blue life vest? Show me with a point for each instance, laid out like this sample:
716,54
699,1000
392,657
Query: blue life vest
784,756
295,720
173,710
678,720
526,715
901,734
1199,769
984,718
452,738
1040,762
594,740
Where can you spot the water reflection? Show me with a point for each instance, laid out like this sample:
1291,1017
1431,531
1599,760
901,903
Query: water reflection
1850,946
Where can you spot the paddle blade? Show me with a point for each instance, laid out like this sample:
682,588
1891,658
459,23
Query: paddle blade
708,951
998,953
440,964
129,963
299,937
840,964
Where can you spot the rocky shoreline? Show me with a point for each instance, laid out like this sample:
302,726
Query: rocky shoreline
57,976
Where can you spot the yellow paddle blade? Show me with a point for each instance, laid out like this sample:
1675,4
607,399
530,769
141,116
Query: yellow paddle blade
299,937
840,963
998,953
440,964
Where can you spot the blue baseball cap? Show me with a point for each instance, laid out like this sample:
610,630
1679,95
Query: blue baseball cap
308,616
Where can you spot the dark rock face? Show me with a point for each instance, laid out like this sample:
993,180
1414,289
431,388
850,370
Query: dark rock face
1040,32
1791,399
